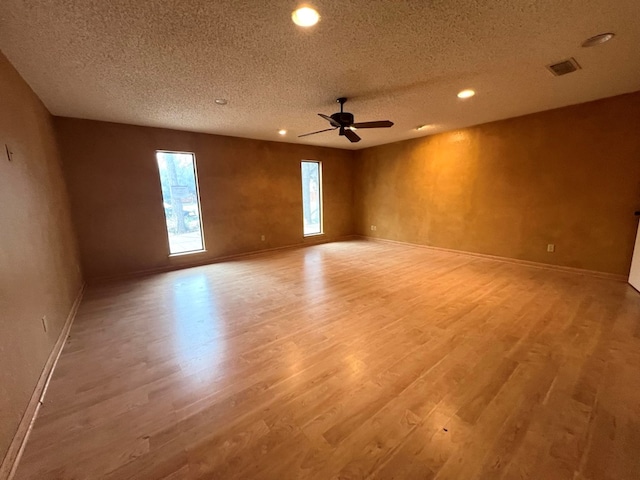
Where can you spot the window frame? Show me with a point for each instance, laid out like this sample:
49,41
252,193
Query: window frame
320,198
198,198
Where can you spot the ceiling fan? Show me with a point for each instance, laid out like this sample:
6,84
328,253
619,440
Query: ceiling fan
344,121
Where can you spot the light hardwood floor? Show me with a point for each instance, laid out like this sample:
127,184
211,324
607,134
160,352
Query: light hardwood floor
347,360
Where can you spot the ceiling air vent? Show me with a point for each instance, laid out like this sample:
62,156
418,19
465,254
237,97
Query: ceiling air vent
564,67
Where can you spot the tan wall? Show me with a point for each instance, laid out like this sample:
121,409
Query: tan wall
38,257
247,188
569,176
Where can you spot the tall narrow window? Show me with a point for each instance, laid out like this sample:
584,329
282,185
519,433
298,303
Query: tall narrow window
181,201
311,198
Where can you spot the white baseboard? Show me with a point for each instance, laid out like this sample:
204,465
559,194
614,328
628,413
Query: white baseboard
548,266
307,242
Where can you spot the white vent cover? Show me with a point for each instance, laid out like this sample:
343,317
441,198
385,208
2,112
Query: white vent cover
564,67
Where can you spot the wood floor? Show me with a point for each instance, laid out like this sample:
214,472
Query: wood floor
347,360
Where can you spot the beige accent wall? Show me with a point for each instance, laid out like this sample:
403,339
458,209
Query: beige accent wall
39,265
570,177
247,188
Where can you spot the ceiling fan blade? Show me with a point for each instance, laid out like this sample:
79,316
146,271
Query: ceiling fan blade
330,120
319,131
378,124
351,135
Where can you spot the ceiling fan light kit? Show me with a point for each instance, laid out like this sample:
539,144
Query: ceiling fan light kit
344,123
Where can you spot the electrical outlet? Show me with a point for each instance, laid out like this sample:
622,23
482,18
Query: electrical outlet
374,228
262,237
44,323
551,248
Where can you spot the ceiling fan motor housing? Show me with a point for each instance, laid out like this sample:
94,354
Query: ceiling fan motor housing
343,118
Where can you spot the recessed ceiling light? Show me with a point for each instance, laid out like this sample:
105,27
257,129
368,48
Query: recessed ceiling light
221,101
305,17
598,39
282,132
466,93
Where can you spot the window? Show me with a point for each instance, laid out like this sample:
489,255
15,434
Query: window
181,201
311,198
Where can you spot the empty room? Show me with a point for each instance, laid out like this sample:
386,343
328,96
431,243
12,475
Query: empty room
328,240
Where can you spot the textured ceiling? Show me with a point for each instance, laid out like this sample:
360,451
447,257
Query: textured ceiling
163,62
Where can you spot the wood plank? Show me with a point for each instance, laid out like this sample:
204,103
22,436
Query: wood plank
347,360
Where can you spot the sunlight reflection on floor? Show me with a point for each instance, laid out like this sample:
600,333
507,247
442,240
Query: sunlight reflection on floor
199,325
